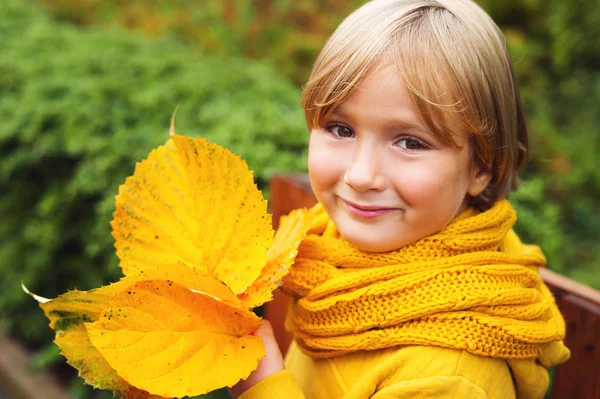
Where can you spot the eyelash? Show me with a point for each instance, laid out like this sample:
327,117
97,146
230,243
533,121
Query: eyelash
422,145
331,127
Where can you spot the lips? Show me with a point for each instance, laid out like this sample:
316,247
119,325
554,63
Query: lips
368,211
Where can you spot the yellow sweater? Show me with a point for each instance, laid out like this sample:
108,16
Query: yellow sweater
401,372
403,364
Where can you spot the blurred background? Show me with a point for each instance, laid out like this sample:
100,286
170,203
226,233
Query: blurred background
87,88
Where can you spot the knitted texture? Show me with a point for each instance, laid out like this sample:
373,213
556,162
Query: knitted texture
472,286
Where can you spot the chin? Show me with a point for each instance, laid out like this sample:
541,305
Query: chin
371,245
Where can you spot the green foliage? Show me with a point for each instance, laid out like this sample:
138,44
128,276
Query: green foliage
288,33
78,109
556,60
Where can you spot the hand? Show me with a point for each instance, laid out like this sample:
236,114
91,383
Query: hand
270,364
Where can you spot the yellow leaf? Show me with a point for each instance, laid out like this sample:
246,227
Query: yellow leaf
194,202
77,307
69,312
189,277
292,229
171,341
67,315
194,240
74,308
81,354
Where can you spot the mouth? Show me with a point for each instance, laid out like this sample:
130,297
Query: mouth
368,211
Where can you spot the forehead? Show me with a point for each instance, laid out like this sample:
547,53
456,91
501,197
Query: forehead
382,97
384,86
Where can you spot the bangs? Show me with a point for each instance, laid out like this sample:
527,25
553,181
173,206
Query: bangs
436,66
347,58
427,53
323,94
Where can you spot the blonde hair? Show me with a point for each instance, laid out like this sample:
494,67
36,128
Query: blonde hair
455,63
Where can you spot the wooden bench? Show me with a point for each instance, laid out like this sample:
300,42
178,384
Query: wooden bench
579,378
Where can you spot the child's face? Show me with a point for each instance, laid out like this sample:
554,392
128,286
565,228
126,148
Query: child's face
383,179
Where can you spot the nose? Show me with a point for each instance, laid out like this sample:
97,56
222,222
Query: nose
365,172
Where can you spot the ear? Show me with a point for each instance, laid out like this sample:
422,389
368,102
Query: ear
479,181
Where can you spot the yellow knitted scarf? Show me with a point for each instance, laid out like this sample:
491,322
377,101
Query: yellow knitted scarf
472,286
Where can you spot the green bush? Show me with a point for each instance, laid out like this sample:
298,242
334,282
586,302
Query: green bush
78,109
288,33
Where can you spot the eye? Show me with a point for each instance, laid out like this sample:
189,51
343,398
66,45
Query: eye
340,131
411,144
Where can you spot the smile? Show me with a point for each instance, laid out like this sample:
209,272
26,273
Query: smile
367,211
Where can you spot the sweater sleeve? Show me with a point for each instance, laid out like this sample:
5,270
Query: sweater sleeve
278,385
454,387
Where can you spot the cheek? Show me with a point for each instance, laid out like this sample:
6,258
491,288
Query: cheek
324,165
439,182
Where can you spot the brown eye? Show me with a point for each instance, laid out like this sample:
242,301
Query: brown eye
340,131
411,144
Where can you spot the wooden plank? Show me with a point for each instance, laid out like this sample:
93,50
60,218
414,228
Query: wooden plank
580,376
288,192
19,381
560,285
275,311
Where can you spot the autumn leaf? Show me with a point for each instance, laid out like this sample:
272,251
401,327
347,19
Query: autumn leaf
190,277
67,315
196,246
74,308
194,202
292,230
69,312
169,340
75,345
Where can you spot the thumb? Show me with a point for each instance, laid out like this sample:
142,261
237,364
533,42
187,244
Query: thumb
273,354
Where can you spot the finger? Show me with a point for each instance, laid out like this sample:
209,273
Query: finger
273,353
268,365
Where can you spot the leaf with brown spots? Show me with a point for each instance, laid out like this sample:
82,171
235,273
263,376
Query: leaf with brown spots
196,246
194,202
67,314
170,340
